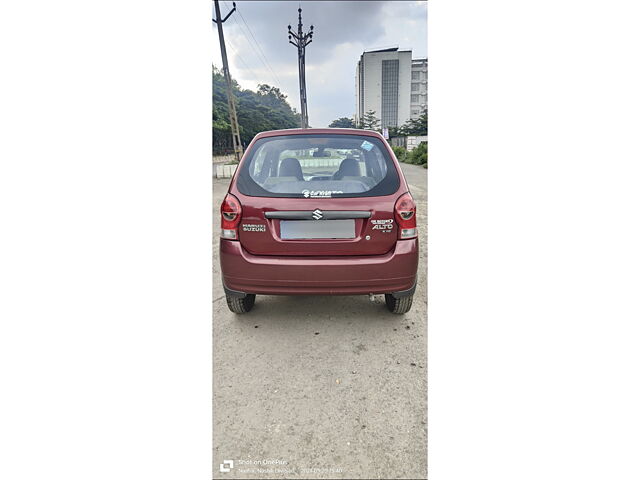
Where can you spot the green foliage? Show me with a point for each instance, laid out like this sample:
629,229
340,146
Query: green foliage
272,95
418,155
342,122
394,132
417,126
265,109
369,121
401,153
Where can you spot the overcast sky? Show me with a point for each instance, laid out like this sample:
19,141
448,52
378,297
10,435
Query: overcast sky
342,30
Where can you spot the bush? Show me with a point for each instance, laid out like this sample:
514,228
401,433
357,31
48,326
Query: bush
401,153
418,155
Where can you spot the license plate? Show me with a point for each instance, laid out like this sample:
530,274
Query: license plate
310,229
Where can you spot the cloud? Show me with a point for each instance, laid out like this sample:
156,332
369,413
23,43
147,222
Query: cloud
342,30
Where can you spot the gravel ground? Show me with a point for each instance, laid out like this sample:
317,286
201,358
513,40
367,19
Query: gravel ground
320,386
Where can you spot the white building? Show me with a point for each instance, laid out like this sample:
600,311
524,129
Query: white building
418,86
383,84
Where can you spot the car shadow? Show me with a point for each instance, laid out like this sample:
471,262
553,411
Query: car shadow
310,309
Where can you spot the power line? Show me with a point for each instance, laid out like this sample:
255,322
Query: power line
260,56
242,30
249,42
253,75
260,48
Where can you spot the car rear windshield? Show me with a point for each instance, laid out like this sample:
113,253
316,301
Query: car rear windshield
318,166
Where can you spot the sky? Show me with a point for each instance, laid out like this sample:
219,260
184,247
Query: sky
259,51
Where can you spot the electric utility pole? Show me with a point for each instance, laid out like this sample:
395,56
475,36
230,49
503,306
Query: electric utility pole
302,40
235,130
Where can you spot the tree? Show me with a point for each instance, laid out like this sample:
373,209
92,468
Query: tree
394,132
271,95
416,126
369,121
342,122
265,109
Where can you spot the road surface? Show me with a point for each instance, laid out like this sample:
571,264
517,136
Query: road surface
321,386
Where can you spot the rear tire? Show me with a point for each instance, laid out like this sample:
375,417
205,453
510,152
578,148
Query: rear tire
398,305
241,305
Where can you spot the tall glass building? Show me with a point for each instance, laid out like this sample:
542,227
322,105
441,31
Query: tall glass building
383,84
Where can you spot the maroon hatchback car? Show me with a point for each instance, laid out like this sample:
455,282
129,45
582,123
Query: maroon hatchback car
319,212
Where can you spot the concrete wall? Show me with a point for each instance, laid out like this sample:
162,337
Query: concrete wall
223,158
227,171
414,141
409,142
224,171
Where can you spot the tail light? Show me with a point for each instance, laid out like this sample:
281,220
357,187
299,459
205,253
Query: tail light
231,212
405,212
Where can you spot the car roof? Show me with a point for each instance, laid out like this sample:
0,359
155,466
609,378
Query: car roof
310,131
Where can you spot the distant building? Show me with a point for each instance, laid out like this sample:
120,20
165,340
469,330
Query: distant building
383,84
418,86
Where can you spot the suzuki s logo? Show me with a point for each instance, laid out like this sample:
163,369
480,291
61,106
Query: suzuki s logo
317,214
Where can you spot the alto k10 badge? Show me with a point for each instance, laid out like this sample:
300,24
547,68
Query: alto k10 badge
385,225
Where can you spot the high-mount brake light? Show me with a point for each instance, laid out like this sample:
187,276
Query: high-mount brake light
405,212
231,214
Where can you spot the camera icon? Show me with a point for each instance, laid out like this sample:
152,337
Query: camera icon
226,466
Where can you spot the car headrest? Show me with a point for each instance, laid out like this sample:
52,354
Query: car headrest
348,168
290,167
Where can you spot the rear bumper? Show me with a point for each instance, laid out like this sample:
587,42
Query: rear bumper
394,272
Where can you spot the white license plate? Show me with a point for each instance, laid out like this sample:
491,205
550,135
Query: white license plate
310,229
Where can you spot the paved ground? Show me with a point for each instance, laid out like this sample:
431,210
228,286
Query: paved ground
333,386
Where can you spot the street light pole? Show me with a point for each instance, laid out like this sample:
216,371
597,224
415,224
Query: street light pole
301,41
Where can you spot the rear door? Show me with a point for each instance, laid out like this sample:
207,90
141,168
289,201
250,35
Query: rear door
317,227
318,195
